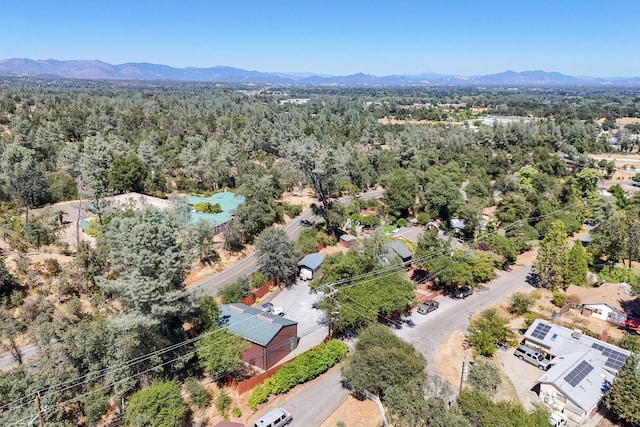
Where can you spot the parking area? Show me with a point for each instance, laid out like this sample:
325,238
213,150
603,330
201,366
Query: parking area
298,304
523,375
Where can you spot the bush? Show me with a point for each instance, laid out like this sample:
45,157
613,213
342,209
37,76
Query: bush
520,303
207,207
257,279
487,329
423,218
223,403
484,377
236,291
236,412
529,318
291,210
200,396
159,405
558,299
401,222
303,368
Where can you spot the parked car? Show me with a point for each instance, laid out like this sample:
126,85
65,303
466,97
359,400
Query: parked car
428,306
275,418
533,357
557,419
306,223
463,292
268,307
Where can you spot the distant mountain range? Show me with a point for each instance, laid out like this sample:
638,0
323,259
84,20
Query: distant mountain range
98,70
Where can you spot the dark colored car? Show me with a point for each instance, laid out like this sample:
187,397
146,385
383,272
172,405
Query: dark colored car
463,292
428,306
306,223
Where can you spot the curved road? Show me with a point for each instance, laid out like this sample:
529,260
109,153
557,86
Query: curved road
246,266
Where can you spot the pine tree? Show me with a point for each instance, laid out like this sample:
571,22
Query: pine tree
576,266
550,261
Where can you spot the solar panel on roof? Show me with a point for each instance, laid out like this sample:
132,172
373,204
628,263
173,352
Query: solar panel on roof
541,331
597,346
615,359
578,373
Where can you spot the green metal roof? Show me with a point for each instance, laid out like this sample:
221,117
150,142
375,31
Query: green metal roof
252,324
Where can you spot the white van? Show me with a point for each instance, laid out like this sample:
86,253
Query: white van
275,418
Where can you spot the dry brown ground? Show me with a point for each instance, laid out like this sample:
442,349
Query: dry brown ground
355,413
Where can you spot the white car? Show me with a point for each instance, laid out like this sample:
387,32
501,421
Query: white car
270,308
557,419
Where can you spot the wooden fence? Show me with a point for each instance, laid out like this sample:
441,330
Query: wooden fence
258,293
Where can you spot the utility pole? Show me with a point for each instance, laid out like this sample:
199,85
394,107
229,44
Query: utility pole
331,294
464,368
39,410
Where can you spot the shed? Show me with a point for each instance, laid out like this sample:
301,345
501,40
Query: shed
397,248
270,337
309,266
348,241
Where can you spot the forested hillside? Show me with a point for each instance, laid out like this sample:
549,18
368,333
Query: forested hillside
109,317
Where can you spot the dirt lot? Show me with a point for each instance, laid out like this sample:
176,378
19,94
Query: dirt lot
352,412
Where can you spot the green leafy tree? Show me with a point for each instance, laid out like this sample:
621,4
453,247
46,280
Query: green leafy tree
400,191
259,210
576,266
382,360
442,198
199,395
586,183
236,291
622,398
157,406
488,328
480,410
512,208
24,179
308,240
277,256
128,173
220,352
618,237
551,256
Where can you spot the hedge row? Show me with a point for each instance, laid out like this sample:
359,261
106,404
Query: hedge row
303,368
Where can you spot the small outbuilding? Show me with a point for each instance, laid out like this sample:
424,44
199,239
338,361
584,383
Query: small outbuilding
309,266
348,241
270,337
396,248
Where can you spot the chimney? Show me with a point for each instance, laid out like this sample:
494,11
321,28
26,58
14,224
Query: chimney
604,335
576,334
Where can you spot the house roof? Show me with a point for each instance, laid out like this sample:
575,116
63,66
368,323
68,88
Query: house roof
412,234
582,368
252,324
348,238
399,248
580,377
611,294
560,341
311,261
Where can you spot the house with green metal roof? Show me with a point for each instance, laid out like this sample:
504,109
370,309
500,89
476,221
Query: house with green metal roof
270,337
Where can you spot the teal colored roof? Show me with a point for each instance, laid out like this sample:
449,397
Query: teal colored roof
252,324
227,200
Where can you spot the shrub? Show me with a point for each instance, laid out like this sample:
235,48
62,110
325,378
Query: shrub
257,279
223,403
259,395
236,412
484,377
401,222
200,396
558,299
159,405
291,210
235,292
529,318
423,218
520,303
207,207
487,329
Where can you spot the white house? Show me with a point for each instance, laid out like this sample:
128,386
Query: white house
582,368
606,302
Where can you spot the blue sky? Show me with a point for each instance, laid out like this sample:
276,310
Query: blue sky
466,37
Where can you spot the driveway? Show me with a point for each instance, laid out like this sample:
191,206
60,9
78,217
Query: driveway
298,304
523,375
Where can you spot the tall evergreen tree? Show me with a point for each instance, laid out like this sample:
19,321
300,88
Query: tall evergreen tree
576,266
550,261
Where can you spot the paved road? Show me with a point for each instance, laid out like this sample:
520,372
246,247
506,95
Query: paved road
28,352
431,330
314,402
212,285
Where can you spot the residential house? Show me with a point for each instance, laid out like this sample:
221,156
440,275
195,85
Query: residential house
309,266
609,301
348,241
270,337
582,368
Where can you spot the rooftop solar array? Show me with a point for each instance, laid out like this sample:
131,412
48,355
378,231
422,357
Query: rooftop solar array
541,331
615,359
578,373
